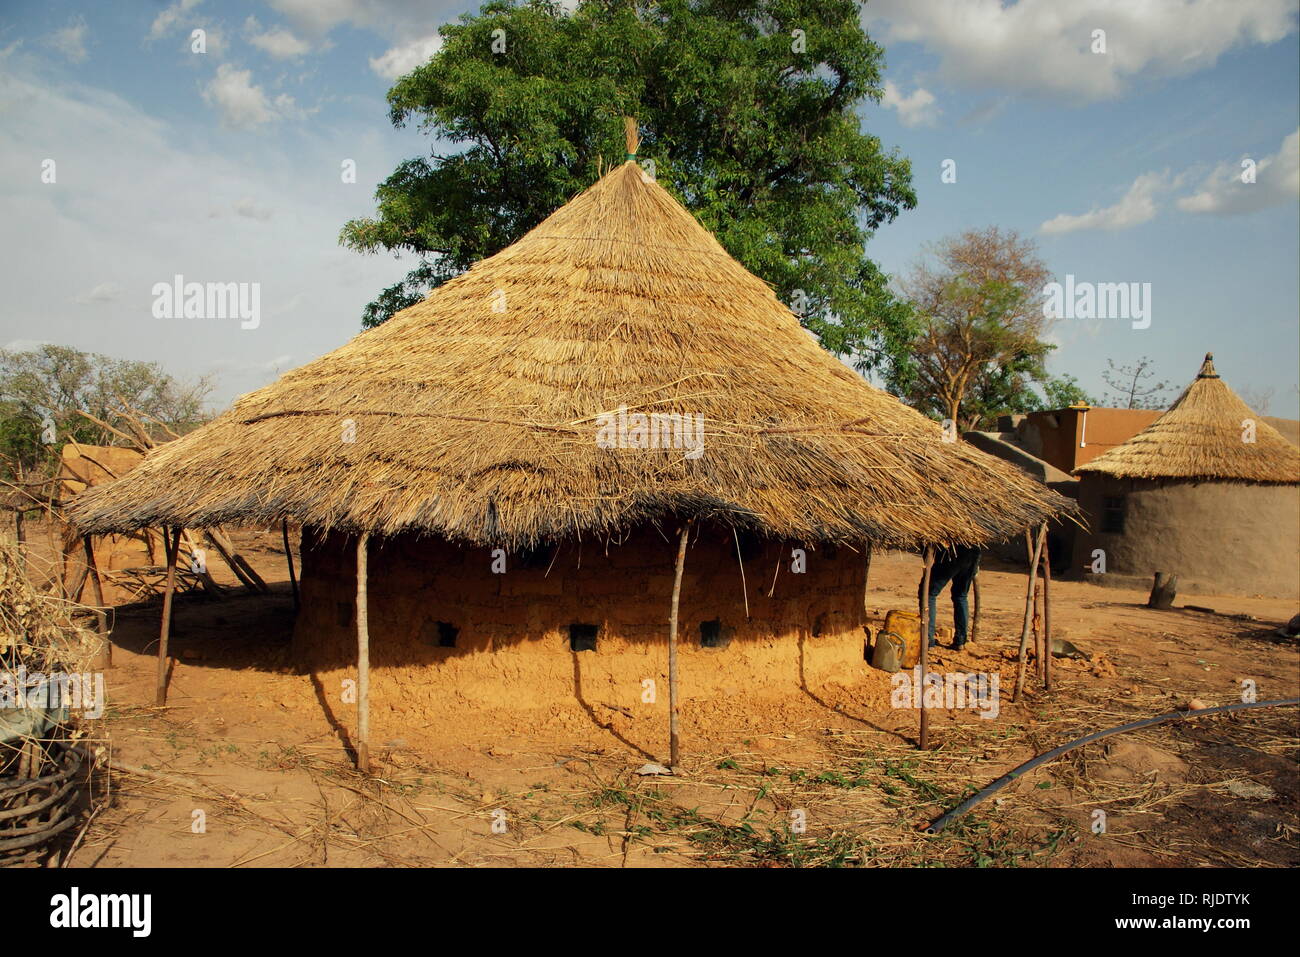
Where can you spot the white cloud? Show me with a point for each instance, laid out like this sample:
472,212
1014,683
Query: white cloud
133,199
71,40
104,292
915,109
1043,47
169,17
1138,206
405,57
277,42
247,208
243,104
1277,181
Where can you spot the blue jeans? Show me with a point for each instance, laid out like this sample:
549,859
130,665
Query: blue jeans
957,567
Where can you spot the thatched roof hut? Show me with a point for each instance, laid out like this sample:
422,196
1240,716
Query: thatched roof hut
1208,433
474,414
613,370
1208,491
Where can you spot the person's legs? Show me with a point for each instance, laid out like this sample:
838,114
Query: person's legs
940,575
962,577
960,616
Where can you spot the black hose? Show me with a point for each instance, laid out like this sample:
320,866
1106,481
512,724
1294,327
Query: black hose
938,824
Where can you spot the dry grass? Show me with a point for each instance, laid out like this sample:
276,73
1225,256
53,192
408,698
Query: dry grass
475,411
38,631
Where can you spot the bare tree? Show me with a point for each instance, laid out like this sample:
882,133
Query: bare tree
1132,391
978,300
1259,399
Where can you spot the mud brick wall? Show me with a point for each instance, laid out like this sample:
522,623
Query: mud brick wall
1220,538
512,646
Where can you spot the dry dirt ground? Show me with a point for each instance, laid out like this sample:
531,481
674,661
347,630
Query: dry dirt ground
250,764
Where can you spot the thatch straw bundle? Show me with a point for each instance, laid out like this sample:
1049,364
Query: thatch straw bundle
474,414
1209,434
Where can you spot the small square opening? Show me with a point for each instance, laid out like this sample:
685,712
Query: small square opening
749,545
538,557
712,634
447,633
583,637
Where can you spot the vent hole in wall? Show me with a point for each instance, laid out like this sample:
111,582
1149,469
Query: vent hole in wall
713,635
583,637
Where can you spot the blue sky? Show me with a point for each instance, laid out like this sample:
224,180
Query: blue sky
1124,166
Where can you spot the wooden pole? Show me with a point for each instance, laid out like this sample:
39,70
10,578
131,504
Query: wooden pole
288,556
866,583
1037,632
975,611
20,536
674,731
1029,610
1047,613
173,547
925,641
230,555
105,659
363,658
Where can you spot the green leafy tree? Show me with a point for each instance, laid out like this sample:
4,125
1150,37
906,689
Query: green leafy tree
747,108
1064,391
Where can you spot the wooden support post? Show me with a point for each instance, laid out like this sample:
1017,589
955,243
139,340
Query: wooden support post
1037,632
105,657
363,658
205,578
20,536
1047,613
866,583
925,642
1029,610
975,610
288,557
674,730
173,542
238,564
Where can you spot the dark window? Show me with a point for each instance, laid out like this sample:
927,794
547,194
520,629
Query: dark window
750,546
539,557
447,633
583,637
712,634
1112,515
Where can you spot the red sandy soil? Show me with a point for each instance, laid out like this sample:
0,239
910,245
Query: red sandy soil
264,754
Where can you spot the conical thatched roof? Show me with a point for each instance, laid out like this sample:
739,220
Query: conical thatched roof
1203,436
476,411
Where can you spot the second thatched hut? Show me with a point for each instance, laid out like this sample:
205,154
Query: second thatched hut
1209,492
